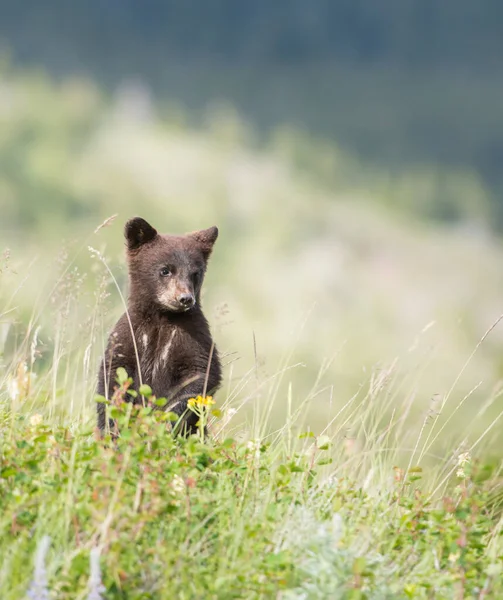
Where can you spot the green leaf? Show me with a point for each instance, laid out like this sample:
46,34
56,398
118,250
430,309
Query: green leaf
7,472
283,469
122,375
145,390
115,412
294,468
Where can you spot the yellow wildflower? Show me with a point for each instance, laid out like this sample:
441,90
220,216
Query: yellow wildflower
200,401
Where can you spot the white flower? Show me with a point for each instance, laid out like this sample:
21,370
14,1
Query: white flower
253,444
178,484
463,458
253,447
35,420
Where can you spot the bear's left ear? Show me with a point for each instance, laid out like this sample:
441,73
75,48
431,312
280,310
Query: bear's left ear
206,238
138,232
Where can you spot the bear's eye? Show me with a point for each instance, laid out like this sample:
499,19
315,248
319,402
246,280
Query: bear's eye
165,272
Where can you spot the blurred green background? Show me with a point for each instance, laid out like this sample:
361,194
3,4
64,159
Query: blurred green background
350,153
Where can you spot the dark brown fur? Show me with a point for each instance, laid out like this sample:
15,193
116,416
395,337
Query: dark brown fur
172,336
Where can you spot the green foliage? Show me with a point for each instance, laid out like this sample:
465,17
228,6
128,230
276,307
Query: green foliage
461,33
367,78
224,519
50,178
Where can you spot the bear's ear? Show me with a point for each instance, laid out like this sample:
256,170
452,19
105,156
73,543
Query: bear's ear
206,238
137,232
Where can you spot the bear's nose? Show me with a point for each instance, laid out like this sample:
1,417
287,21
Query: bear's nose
186,300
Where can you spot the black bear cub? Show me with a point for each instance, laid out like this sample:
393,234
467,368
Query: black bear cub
163,340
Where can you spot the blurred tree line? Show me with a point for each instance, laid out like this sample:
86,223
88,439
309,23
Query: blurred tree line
395,82
412,33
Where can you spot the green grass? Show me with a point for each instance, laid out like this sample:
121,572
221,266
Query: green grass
289,515
283,517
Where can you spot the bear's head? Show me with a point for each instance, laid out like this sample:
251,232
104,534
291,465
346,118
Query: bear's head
166,272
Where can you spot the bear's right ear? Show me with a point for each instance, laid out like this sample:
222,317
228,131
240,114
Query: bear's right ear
138,232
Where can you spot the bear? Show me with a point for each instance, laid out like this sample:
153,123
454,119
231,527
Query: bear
163,339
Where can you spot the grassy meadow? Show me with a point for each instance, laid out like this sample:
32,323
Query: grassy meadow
356,441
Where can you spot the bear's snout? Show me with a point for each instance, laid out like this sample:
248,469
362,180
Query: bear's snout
186,300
